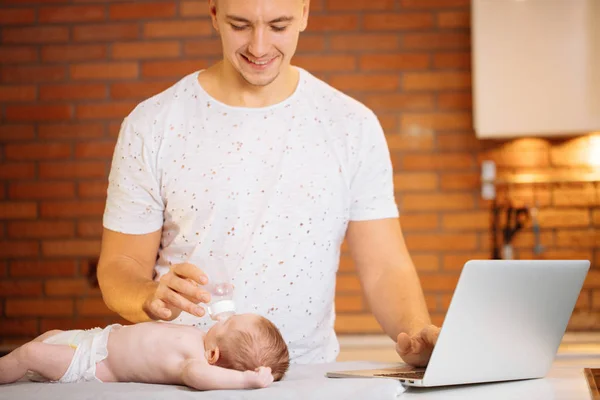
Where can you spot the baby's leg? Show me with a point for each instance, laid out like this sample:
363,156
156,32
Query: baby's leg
49,360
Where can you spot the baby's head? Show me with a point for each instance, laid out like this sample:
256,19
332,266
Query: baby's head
245,342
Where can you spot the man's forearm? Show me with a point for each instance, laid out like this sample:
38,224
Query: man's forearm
397,302
125,289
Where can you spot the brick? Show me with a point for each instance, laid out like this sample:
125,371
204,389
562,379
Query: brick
458,60
20,326
104,111
578,238
454,19
93,189
105,32
70,91
193,9
89,229
165,69
431,302
557,254
71,209
346,264
177,29
11,171
322,63
47,324
204,47
71,248
19,249
574,196
103,150
41,229
93,307
356,323
434,4
33,74
437,121
563,218
18,54
37,34
389,123
468,221
347,284
395,62
352,303
308,44
596,217
436,80
415,181
399,101
363,42
404,141
137,90
458,141
362,82
397,22
329,23
71,131
436,41
454,101
20,288
39,112
38,307
78,14
438,282
17,93
425,262
17,16
441,241
460,181
41,190
18,210
436,201
592,280
70,170
42,268
68,287
142,10
37,151
456,261
145,50
67,53
436,162
102,71
9,133
359,5
419,222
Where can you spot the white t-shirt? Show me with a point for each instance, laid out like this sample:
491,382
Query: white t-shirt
268,190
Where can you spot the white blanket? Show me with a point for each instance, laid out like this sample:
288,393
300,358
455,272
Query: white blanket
303,382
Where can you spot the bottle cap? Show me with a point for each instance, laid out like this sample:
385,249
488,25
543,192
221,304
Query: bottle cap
223,306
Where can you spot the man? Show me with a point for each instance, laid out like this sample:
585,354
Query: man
257,169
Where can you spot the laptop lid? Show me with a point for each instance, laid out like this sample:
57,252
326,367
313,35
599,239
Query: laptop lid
505,321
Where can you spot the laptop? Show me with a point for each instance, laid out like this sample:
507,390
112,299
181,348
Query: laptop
505,322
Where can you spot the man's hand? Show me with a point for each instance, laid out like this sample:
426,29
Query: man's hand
416,350
261,377
178,291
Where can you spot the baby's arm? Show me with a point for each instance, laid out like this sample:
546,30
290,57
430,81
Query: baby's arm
203,376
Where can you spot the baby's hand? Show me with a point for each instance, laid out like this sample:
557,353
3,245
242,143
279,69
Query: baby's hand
261,377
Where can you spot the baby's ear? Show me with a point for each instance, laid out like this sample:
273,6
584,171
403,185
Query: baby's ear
212,355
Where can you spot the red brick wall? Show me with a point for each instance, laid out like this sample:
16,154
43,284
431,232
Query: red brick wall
72,69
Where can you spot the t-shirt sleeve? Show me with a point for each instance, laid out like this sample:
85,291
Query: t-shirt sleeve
372,186
134,204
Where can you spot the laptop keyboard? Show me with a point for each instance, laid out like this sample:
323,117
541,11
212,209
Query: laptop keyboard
404,375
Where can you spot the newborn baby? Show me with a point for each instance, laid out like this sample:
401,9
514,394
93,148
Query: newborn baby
245,351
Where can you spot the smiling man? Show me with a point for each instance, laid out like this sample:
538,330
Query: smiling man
257,169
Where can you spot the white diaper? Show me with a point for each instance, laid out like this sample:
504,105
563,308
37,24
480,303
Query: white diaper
91,347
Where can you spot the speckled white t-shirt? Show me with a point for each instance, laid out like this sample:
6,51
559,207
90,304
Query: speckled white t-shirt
264,193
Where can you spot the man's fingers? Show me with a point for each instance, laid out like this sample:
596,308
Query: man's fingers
176,300
403,344
431,334
159,308
190,271
187,289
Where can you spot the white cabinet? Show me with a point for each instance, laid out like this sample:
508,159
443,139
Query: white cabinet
536,67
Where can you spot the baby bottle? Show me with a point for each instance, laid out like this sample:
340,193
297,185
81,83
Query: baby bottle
220,287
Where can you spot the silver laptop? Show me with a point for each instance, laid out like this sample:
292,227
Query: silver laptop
505,322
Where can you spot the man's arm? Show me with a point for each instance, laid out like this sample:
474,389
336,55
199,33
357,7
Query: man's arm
203,376
125,270
388,277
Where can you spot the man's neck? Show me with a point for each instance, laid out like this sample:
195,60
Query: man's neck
224,83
